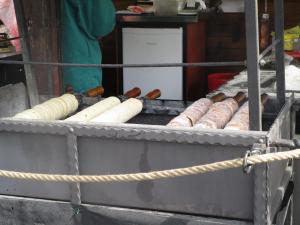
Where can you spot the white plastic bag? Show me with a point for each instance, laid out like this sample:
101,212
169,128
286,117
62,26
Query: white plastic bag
202,4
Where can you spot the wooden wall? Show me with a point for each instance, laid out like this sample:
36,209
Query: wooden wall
122,4
225,38
42,19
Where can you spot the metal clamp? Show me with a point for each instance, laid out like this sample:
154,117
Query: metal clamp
247,166
256,150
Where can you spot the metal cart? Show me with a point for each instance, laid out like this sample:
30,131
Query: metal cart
261,197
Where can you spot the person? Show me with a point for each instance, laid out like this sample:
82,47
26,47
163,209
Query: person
84,22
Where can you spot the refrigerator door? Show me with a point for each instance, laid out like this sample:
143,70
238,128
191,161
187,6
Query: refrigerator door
159,45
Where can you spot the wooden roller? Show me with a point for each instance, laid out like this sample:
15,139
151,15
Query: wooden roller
95,110
133,93
221,112
180,121
218,97
241,121
121,113
98,91
195,111
155,94
53,109
240,98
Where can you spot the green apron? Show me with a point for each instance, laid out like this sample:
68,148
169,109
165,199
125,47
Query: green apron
84,22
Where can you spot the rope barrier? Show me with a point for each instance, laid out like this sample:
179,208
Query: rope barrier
194,170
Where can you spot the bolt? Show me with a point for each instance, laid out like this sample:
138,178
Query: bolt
261,141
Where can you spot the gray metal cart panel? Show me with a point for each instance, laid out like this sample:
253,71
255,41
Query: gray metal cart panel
180,194
34,152
281,128
20,211
143,142
111,148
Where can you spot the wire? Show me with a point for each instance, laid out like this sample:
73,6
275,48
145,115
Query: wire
200,64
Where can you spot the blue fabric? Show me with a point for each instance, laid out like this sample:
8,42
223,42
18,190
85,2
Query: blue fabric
84,22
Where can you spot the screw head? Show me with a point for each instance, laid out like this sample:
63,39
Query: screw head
261,141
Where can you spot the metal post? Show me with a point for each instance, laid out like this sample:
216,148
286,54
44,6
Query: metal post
280,69
30,78
251,14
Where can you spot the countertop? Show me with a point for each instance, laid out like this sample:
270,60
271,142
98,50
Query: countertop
150,18
179,19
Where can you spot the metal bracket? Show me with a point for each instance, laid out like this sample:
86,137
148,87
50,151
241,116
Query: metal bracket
284,143
257,149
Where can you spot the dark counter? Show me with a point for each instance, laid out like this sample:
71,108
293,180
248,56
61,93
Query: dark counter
150,18
211,13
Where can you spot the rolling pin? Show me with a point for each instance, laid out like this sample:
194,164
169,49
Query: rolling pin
94,110
136,92
127,110
53,109
94,92
221,112
98,91
152,95
133,93
194,112
121,113
97,109
241,121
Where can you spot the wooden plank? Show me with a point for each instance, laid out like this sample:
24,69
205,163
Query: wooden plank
29,73
195,80
225,42
226,54
42,19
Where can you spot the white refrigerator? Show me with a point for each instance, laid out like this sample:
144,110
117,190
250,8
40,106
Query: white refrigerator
154,45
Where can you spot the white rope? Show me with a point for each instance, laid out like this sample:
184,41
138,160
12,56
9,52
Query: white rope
201,169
